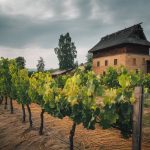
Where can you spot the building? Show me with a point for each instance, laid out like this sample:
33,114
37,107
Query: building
61,72
128,47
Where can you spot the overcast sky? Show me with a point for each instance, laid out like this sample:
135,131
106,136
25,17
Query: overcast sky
31,28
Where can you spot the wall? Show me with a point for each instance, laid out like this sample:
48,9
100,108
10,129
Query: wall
125,59
99,70
139,62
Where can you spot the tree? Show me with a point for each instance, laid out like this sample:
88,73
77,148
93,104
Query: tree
20,62
40,65
89,61
66,52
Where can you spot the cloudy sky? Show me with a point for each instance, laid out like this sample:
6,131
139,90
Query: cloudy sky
31,28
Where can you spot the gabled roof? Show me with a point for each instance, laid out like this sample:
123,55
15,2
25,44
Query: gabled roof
133,35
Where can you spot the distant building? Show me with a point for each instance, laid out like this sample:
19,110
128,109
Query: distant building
128,47
61,72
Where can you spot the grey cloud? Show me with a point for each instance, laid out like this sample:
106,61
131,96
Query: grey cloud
24,28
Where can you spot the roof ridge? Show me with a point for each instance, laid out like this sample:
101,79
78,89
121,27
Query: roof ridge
125,29
131,35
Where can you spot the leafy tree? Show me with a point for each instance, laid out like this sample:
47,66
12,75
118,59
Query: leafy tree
66,52
89,61
40,65
20,62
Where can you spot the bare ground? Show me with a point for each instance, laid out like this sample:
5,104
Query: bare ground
14,135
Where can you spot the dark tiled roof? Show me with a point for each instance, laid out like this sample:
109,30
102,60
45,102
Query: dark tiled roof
133,35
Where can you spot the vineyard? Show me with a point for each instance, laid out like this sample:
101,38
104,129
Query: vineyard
80,100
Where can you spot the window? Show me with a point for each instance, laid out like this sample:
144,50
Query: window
104,73
106,62
134,61
143,61
98,63
115,61
137,71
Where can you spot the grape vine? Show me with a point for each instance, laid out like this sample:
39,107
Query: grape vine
84,97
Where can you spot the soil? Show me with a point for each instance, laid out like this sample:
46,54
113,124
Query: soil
15,135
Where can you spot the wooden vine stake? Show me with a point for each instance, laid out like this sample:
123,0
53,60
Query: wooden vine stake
137,118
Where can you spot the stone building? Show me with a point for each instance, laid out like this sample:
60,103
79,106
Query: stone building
128,47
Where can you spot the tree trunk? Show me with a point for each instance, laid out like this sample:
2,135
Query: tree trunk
1,100
72,133
42,122
30,115
11,106
23,114
5,107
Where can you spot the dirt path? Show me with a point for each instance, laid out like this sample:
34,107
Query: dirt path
17,136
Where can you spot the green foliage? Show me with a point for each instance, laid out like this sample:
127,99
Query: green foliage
20,62
81,91
66,52
61,80
13,70
84,97
118,99
108,116
22,86
110,79
5,78
124,122
121,79
36,90
77,99
146,81
89,61
40,65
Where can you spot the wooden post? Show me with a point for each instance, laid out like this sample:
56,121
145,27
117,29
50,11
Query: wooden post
137,118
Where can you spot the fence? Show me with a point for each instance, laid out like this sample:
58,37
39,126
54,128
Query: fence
137,118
